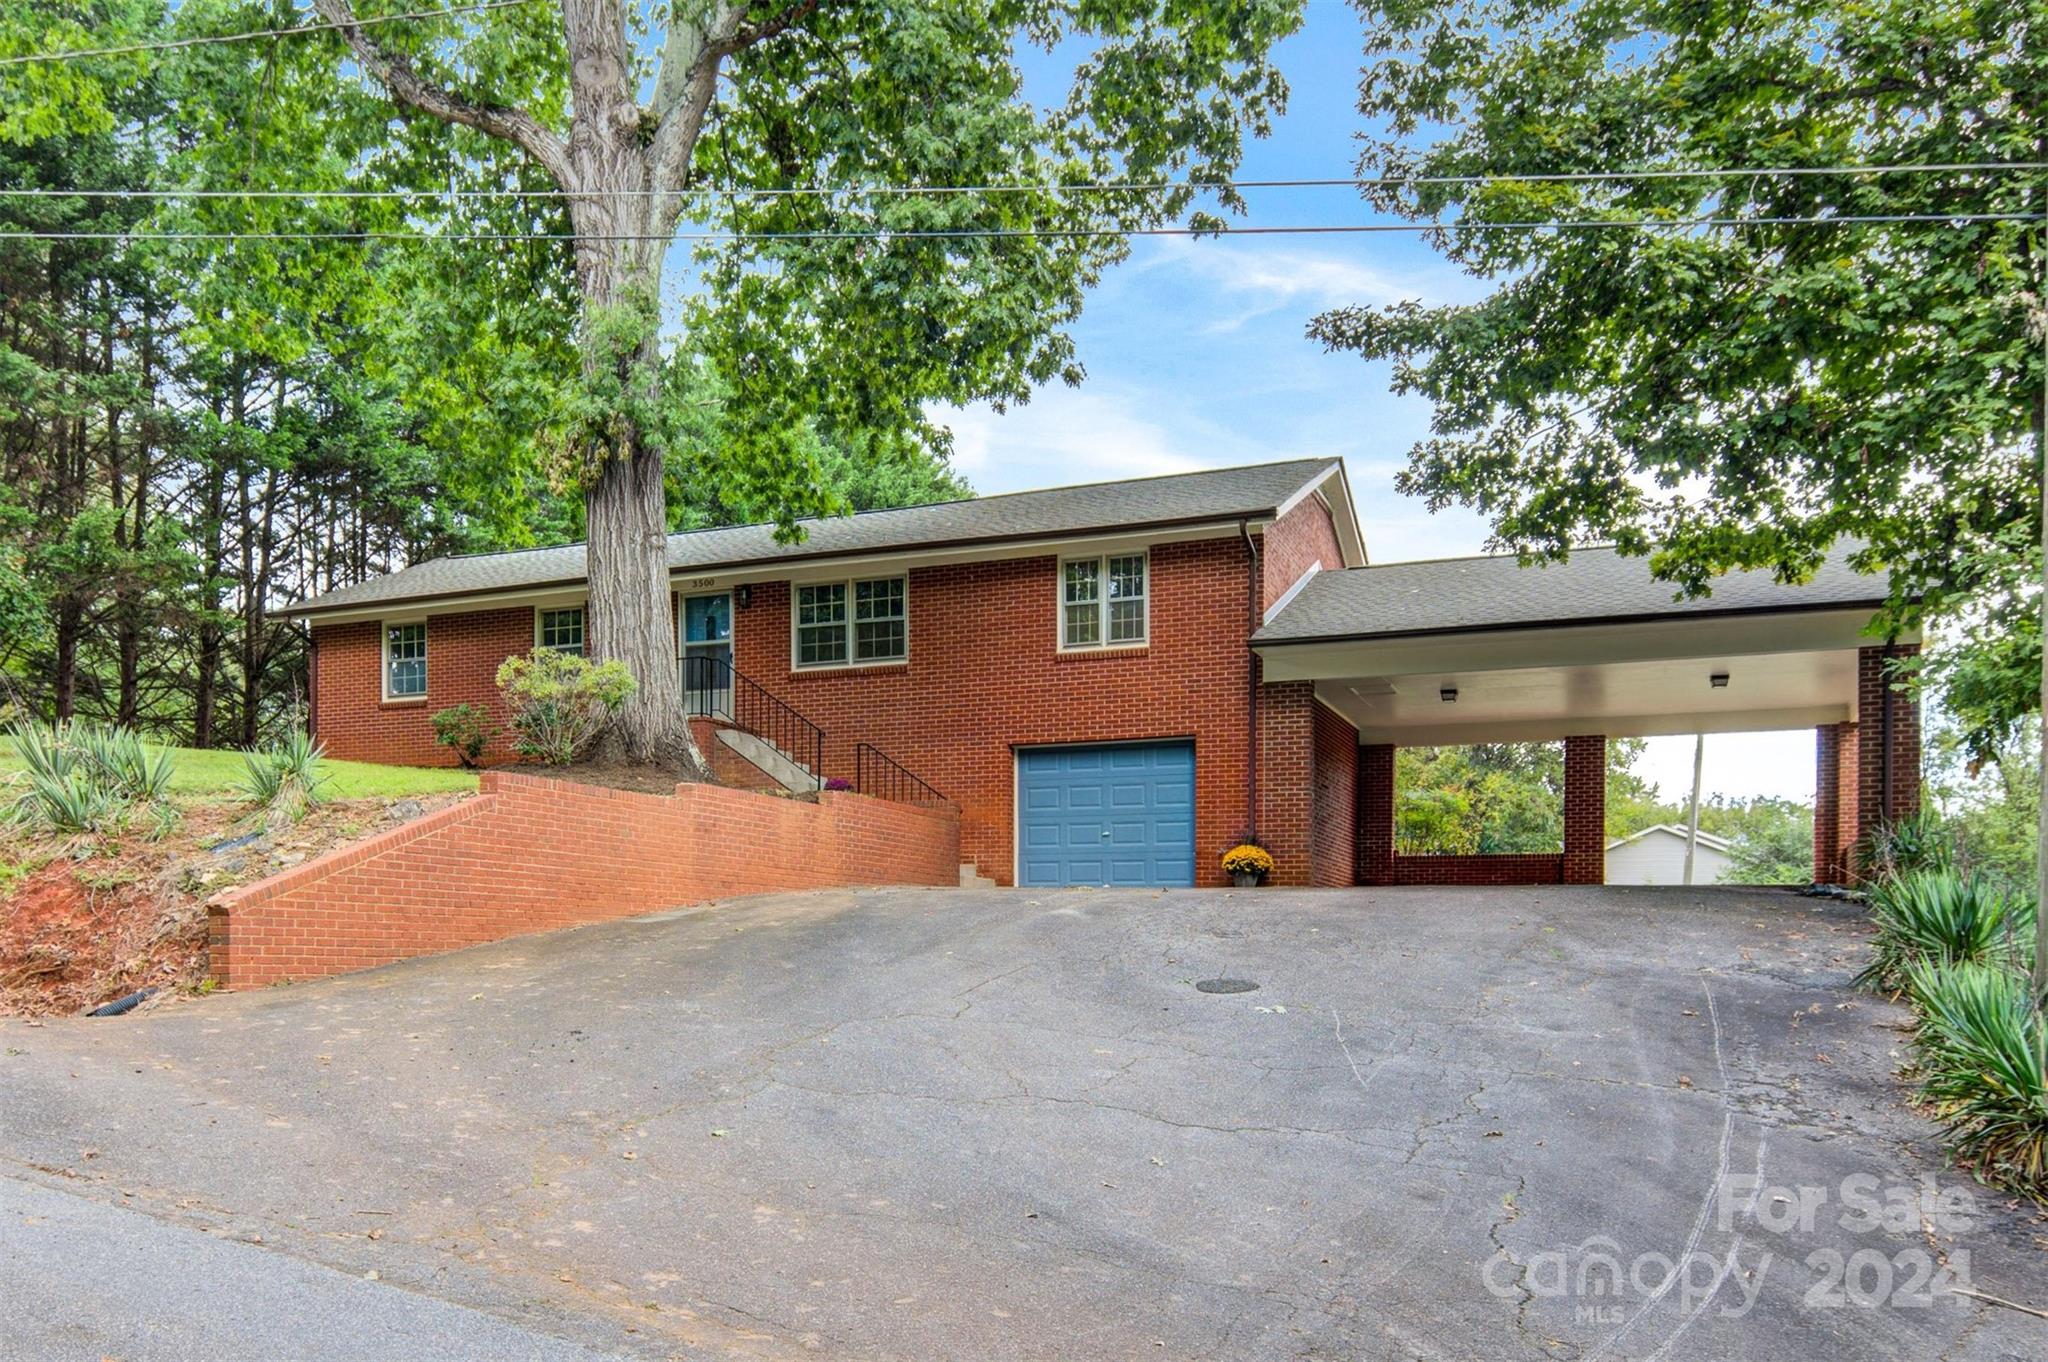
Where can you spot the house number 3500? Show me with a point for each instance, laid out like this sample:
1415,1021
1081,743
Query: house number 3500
697,582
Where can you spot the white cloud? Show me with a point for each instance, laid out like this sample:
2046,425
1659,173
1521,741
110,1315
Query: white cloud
1263,278
1070,435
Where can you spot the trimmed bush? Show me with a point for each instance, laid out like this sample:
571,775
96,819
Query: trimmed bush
465,730
1983,1048
560,702
1940,916
284,778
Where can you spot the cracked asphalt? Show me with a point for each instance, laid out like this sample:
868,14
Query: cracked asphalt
1504,1123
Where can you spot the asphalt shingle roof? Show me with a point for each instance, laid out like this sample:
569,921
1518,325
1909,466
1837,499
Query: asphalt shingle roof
1453,595
1215,494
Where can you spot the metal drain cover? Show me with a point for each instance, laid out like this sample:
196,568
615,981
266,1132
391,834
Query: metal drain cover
1224,986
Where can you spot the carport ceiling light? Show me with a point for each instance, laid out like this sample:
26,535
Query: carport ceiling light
1719,680
1448,694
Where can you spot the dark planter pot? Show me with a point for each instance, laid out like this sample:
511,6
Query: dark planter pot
1246,879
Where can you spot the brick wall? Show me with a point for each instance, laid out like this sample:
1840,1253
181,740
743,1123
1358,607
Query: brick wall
728,766
1494,868
1376,814
351,716
1305,535
1585,809
1333,825
1836,782
1848,779
985,676
530,854
1879,690
1287,784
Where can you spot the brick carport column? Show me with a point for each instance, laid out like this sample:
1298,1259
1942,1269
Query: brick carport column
1376,813
1827,805
1887,740
1585,809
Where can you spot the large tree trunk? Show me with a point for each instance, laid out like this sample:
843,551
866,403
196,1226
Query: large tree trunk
629,594
626,507
614,153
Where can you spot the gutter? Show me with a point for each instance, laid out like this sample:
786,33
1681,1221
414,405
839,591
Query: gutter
1582,621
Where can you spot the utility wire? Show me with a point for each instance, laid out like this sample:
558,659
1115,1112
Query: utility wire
367,21
1090,187
1050,233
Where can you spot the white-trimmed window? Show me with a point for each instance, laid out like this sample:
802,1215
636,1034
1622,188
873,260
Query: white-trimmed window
561,630
1104,601
405,661
852,623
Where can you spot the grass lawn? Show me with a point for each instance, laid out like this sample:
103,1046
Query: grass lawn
213,774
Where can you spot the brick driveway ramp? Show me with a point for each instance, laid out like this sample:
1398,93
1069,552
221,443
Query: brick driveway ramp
1448,1123
530,854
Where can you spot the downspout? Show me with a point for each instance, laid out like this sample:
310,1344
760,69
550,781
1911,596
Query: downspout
1884,776
312,683
1251,658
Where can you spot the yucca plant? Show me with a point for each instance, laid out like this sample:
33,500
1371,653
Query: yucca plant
72,787
1939,915
1984,1068
124,762
286,777
1918,841
72,802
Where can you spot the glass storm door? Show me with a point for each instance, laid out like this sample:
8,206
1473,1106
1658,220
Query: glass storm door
707,654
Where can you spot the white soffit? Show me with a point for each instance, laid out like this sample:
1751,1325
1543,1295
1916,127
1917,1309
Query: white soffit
1620,699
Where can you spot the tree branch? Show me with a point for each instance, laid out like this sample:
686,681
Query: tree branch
409,89
748,34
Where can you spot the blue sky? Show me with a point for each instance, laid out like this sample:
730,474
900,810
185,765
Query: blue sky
1197,357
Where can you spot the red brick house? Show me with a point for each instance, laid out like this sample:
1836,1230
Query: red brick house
1116,682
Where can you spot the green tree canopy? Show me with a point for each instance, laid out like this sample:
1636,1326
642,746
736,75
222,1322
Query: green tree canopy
1739,397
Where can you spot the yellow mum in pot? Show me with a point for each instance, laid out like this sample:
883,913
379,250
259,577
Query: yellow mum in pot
1248,863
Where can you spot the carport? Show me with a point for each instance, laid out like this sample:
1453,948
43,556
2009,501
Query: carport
1468,650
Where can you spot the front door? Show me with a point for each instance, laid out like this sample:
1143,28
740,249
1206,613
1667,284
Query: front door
707,654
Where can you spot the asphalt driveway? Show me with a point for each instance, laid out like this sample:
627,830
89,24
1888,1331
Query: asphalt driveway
1005,1124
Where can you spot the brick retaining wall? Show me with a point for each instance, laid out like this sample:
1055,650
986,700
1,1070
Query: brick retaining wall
1490,868
530,854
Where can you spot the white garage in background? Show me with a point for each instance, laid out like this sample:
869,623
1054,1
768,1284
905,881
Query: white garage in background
1657,856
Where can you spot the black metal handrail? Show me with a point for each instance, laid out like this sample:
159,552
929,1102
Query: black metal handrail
877,773
714,689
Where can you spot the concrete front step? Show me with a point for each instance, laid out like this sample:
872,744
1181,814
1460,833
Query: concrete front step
791,775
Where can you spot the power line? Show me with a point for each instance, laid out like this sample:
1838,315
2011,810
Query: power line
368,21
1053,233
1090,187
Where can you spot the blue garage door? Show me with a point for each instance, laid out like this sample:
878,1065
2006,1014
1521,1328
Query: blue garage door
1122,814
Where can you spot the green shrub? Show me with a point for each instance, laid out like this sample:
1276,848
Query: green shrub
1919,841
284,778
86,779
1942,916
123,763
465,730
560,702
1983,1050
